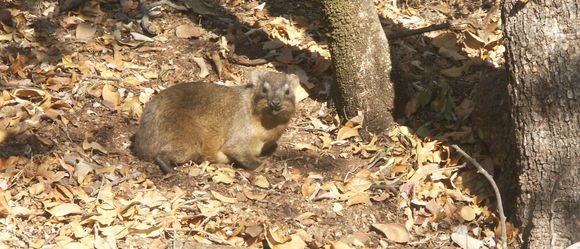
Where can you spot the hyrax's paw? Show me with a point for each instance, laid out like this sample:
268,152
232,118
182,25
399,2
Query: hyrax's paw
250,164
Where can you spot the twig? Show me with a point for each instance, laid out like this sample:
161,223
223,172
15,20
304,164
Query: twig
430,28
489,178
244,61
126,178
99,77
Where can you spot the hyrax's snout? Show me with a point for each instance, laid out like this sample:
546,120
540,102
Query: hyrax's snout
275,104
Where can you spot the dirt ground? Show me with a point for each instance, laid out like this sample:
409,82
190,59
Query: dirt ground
70,179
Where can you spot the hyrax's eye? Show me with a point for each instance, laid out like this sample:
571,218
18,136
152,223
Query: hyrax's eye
287,92
264,90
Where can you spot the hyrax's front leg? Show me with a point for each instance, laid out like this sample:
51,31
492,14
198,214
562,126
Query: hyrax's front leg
244,154
243,158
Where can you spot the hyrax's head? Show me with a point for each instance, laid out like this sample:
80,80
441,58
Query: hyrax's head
274,92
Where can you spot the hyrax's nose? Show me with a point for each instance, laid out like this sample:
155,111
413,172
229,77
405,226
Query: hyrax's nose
275,104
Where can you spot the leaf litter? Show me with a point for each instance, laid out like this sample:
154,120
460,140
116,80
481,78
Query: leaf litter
66,123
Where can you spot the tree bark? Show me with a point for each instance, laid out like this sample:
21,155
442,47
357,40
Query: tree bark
543,60
362,63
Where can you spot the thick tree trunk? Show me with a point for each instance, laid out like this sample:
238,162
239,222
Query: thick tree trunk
362,63
543,59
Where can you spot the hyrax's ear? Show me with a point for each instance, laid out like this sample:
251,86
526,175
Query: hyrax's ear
293,80
256,76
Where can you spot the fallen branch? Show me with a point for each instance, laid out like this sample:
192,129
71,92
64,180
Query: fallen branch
489,178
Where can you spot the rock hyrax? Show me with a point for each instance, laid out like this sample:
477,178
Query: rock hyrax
221,124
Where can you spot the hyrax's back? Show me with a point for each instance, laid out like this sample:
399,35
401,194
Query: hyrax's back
183,121
205,121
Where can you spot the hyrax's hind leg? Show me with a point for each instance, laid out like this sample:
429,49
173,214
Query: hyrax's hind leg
176,153
165,164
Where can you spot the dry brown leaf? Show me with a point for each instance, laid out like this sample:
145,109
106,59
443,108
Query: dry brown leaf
326,141
153,198
464,109
116,231
146,95
104,242
4,207
19,211
188,31
93,146
285,56
347,132
272,44
309,187
255,195
423,171
261,181
473,41
203,71
111,97
300,93
6,37
394,231
82,169
275,236
295,242
74,245
337,207
223,198
32,95
107,214
454,72
358,198
305,215
224,175
340,245
65,209
132,81
466,242
304,146
254,231
282,29
357,184
467,213
132,107
56,83
146,230
36,189
85,31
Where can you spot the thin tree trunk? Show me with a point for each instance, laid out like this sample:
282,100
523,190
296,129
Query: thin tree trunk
361,58
543,59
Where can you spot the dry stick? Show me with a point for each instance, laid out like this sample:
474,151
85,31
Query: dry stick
482,171
434,27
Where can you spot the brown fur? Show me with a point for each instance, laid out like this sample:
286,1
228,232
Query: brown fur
220,124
